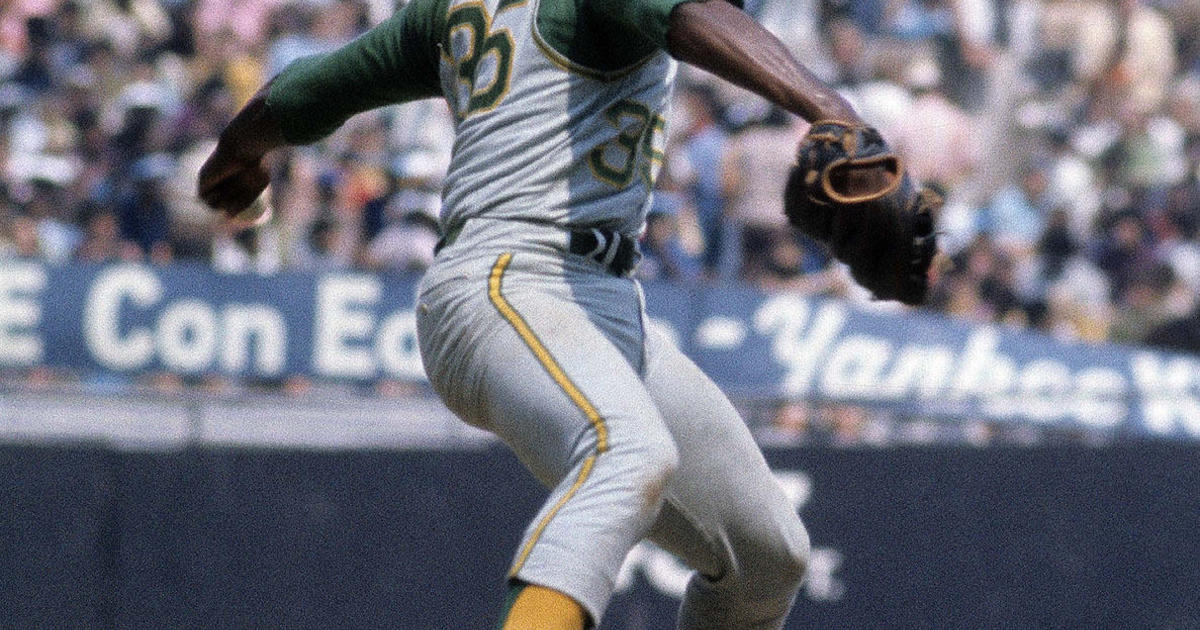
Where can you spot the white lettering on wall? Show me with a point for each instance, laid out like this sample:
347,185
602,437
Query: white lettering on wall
812,345
187,336
20,314
257,323
1168,387
1101,399
102,316
1046,390
784,318
344,323
925,370
855,367
396,346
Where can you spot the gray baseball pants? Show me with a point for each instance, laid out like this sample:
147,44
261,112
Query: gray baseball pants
552,353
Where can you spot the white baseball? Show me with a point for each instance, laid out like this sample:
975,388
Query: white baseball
255,214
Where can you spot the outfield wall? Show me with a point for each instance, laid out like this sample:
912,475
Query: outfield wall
116,322
214,537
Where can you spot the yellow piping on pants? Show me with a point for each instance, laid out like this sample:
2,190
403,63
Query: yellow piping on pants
560,377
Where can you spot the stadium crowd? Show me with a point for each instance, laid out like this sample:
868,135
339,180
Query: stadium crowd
1065,135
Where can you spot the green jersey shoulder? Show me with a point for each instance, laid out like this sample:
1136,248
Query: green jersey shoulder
559,105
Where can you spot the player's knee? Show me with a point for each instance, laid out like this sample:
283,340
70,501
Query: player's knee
795,555
661,460
656,466
793,552
784,561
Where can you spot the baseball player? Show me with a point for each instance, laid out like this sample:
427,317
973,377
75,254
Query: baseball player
530,325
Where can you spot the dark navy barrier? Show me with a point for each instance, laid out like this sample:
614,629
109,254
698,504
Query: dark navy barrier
303,540
57,510
1049,537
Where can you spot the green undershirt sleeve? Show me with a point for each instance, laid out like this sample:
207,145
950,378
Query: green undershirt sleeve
395,62
648,17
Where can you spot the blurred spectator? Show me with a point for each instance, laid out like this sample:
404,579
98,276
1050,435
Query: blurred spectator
1122,252
982,286
1077,41
753,175
246,251
319,250
246,19
935,135
1179,335
1070,185
664,254
57,234
1145,56
851,425
792,423
1081,218
1056,247
102,240
701,150
407,240
1144,305
1016,217
142,207
1150,151
1078,303
24,245
848,48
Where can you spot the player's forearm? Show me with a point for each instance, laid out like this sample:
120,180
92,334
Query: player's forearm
253,132
717,37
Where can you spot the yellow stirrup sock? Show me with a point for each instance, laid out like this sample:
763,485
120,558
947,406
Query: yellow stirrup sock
540,608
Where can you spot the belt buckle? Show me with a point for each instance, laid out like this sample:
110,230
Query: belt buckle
610,248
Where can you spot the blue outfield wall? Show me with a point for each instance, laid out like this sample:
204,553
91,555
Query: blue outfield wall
120,320
1047,537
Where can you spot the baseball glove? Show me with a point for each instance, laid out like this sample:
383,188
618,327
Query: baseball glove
849,191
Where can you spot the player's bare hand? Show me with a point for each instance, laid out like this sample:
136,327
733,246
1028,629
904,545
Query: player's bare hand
236,174
229,184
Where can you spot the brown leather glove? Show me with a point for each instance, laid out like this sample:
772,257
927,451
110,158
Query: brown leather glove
849,191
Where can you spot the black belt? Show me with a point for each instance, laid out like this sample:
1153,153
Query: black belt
617,252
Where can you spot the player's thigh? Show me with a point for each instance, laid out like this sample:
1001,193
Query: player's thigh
564,393
724,506
552,378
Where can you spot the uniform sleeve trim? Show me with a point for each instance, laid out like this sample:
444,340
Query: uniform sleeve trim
564,63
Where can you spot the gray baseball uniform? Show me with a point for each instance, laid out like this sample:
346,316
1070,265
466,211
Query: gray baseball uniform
528,321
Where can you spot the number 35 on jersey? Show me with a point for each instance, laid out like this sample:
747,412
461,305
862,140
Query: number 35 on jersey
481,54
481,58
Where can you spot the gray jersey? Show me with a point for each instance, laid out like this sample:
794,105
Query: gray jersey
559,105
559,110
541,138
